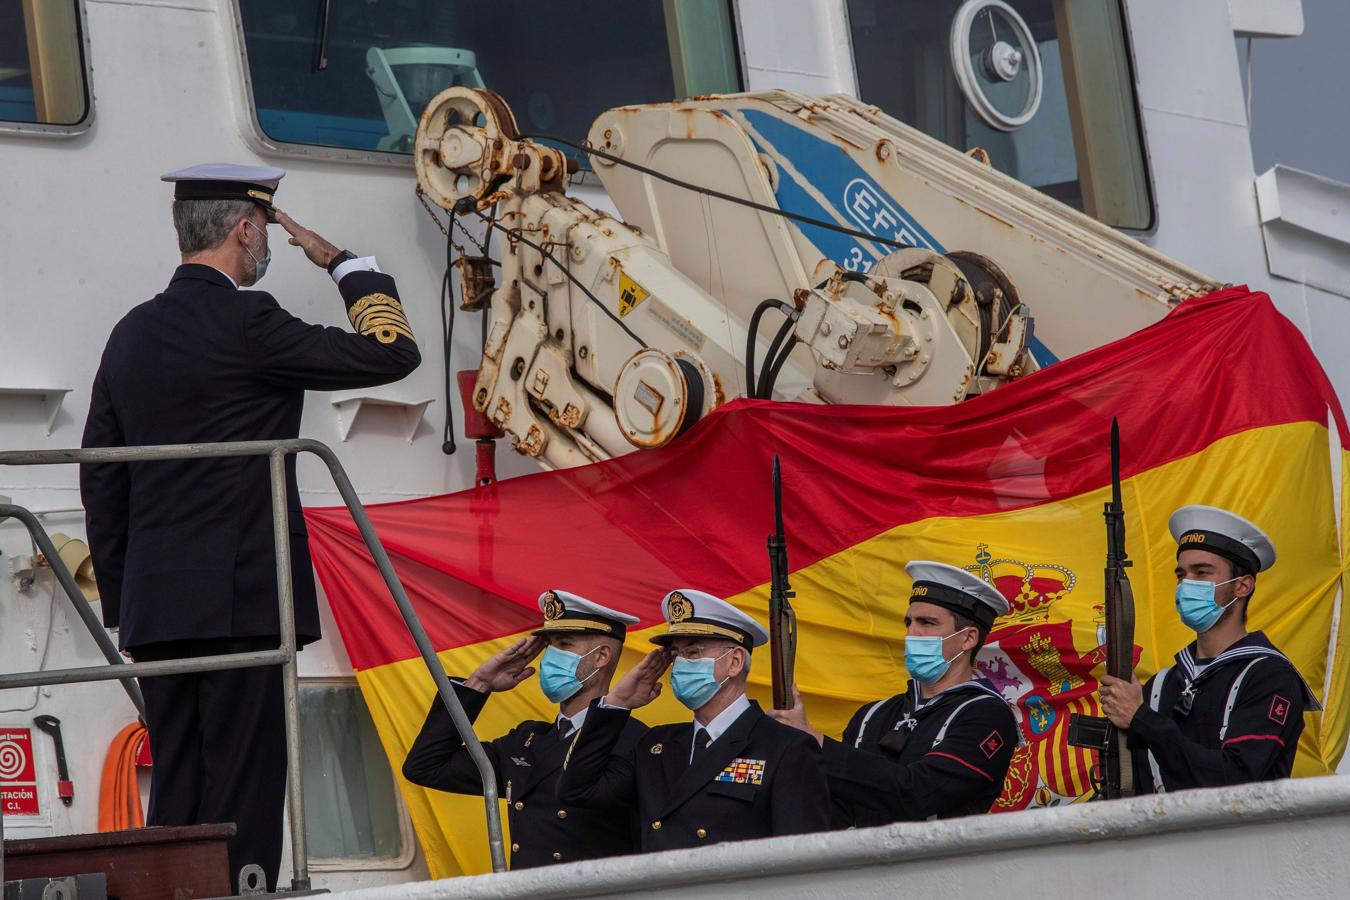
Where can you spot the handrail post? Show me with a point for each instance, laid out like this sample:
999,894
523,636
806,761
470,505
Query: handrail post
496,845
281,537
277,451
72,591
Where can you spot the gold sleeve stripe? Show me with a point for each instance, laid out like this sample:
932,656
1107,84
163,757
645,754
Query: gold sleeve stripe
382,316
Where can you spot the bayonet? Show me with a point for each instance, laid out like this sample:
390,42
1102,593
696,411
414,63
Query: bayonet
782,619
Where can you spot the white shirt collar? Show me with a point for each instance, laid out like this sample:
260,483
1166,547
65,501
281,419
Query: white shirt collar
575,719
722,721
232,282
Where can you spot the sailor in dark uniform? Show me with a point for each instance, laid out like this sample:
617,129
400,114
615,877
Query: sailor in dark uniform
183,549
583,642
1231,710
732,774
942,748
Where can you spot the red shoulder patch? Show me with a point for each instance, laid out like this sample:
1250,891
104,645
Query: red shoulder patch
1279,710
991,744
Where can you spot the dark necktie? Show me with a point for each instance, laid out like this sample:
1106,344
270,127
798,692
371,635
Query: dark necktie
701,740
564,726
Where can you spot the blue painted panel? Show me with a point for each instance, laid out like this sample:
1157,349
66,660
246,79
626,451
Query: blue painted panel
829,169
860,200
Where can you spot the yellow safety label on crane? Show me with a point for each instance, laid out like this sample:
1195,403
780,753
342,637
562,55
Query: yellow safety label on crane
630,294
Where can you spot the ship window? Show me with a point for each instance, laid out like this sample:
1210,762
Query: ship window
42,66
363,87
352,814
1082,145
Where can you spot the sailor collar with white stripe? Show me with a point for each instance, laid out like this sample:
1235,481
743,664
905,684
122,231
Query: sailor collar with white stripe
974,684
1248,647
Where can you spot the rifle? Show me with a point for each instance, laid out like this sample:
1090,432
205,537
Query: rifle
1116,772
782,620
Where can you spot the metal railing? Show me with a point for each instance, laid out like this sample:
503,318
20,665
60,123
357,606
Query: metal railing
284,656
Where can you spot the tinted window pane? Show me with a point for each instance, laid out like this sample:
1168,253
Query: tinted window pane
350,809
41,63
557,64
1082,146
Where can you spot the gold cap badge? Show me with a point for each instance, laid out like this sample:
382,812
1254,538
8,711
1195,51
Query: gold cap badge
553,607
679,608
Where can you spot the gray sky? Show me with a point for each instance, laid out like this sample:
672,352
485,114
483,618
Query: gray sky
1301,102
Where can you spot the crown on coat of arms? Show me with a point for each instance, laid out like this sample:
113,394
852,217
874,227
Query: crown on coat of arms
1030,588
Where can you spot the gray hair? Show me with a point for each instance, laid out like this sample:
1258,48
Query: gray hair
203,224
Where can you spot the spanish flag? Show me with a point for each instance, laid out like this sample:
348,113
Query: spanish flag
1221,403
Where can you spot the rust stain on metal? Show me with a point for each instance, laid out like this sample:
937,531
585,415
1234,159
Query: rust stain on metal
886,311
570,416
719,393
533,444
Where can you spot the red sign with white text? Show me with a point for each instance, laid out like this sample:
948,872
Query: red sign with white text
18,783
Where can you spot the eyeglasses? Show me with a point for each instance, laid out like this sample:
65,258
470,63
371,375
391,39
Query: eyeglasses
698,651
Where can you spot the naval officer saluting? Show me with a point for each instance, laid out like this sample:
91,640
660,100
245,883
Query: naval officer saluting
1231,710
941,748
183,549
732,774
583,641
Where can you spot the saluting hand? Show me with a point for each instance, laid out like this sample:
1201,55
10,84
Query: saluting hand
508,668
319,251
796,717
1120,699
642,684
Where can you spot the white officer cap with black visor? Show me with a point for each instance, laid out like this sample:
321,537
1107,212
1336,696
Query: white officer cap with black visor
1223,533
691,613
226,181
568,613
956,590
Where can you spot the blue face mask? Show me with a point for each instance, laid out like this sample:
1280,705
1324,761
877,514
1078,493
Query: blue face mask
259,265
924,659
558,673
693,681
1196,604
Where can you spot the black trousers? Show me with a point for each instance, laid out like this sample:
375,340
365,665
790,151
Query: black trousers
219,745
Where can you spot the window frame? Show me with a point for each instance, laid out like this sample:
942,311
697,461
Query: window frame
407,837
86,122
259,140
1127,37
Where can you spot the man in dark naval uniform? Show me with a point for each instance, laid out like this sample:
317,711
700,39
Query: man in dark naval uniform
732,774
183,549
1231,710
942,748
583,641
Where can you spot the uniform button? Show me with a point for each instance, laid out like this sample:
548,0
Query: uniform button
520,804
656,826
557,855
562,813
515,848
702,832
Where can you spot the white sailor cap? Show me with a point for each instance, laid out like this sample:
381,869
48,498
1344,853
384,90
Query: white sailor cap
1227,534
226,181
567,612
692,613
957,590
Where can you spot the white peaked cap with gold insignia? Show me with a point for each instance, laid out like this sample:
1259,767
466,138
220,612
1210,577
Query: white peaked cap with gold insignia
567,612
957,590
1227,534
227,181
691,613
